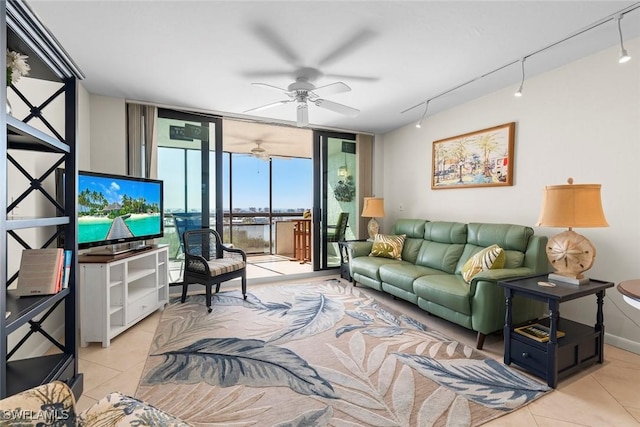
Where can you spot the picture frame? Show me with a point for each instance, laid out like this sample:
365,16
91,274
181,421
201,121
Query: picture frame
483,158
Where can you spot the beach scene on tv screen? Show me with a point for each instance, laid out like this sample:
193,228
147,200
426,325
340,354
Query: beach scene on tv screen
111,208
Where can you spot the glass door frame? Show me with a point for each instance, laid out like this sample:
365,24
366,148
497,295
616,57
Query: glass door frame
205,181
319,225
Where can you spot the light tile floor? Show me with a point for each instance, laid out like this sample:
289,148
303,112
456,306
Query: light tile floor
604,395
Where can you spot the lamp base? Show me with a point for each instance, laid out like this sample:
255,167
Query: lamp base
373,228
572,280
570,255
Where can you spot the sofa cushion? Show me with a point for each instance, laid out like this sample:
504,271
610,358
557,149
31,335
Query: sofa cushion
447,290
403,275
388,246
507,236
442,246
486,259
369,265
413,228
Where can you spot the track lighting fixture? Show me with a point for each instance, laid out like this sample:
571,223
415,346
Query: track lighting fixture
518,93
426,107
624,56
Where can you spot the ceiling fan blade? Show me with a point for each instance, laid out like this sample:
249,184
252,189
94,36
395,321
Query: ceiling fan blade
275,42
264,107
268,73
272,87
338,108
331,89
303,114
350,77
356,40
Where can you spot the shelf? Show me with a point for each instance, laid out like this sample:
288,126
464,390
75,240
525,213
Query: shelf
21,136
115,283
27,373
24,309
139,274
574,332
139,293
114,309
17,223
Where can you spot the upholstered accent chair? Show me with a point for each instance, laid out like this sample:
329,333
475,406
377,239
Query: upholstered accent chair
208,262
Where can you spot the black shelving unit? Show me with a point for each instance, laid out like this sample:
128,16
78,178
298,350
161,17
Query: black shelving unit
24,33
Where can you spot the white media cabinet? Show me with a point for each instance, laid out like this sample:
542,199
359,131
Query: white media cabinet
118,291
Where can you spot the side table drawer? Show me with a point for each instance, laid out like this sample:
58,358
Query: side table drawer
529,357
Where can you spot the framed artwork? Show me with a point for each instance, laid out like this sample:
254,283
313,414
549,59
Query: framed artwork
482,158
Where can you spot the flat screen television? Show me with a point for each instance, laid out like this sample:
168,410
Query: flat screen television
117,209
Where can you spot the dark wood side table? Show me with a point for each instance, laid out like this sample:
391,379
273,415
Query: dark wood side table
344,258
581,346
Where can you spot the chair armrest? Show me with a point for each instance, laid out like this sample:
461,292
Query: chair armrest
235,252
197,264
51,401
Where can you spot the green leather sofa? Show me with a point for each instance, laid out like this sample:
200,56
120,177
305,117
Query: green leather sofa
429,273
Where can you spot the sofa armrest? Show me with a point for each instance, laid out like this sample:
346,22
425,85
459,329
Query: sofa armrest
488,300
498,274
356,249
53,402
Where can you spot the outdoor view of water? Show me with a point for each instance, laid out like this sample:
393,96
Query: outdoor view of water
93,229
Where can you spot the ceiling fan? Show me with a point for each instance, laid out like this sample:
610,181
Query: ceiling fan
258,152
303,92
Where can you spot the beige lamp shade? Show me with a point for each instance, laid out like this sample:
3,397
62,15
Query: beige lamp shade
571,206
373,208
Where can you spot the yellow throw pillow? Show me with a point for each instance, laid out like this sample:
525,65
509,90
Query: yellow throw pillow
489,258
388,246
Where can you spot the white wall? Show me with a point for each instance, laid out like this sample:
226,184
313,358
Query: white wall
582,121
108,135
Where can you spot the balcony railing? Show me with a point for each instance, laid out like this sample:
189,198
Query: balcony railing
253,232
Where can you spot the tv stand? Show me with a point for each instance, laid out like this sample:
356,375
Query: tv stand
120,290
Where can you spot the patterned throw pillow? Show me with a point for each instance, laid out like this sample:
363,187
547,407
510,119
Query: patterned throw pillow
388,246
487,259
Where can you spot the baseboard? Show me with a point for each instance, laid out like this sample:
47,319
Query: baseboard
623,343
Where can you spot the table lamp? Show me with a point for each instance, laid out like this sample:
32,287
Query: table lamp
373,208
571,206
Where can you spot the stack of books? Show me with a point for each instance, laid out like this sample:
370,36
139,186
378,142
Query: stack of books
43,271
537,332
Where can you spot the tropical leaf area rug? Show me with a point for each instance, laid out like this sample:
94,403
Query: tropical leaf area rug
320,354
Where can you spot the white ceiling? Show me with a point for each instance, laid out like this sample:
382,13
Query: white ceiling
204,55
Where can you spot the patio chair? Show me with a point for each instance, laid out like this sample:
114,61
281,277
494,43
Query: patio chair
335,233
185,221
208,262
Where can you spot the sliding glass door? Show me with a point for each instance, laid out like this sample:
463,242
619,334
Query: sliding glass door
187,164
335,195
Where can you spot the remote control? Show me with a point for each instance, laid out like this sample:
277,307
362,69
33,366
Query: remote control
547,284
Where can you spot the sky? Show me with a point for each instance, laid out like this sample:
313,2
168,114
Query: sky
292,181
114,187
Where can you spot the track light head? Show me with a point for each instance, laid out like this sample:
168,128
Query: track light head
518,93
426,108
624,56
